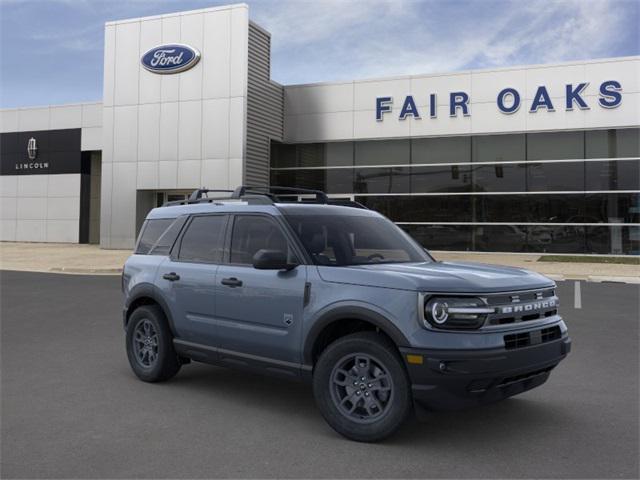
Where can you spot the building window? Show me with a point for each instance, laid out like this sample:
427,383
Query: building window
555,145
441,150
382,152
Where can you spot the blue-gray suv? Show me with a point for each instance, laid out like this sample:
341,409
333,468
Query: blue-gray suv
290,282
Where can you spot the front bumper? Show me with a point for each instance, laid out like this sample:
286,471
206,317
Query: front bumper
452,379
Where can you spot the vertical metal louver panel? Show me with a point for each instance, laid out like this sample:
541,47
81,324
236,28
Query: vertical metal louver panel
265,109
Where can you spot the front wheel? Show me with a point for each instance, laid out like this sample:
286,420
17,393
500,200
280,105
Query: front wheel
361,387
150,345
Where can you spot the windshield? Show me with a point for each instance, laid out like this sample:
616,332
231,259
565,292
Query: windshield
342,240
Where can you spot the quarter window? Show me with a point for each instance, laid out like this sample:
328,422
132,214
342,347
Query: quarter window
151,231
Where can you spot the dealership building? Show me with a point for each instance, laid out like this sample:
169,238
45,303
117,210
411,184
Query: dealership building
542,158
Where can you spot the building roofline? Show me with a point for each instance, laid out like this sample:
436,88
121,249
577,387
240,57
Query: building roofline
467,72
178,14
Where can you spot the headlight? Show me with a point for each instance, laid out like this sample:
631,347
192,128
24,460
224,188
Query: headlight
456,312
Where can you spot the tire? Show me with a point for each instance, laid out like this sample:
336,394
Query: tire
155,360
384,399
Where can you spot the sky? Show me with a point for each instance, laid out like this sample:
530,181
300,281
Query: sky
51,51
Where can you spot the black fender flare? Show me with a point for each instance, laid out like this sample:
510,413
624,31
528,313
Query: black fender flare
355,313
149,291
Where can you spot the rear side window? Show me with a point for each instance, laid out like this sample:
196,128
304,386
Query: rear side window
150,234
202,242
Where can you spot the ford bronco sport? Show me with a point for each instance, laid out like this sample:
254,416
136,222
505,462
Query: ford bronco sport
287,282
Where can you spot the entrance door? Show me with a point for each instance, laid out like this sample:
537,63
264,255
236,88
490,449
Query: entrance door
259,311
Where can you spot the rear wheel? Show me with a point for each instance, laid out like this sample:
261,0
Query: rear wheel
361,387
150,345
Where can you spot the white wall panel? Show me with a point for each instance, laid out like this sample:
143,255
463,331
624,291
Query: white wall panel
168,174
91,115
149,132
191,30
67,116
108,71
239,51
485,86
627,72
216,52
147,176
125,133
63,208
65,185
32,208
8,230
8,185
127,63
170,84
189,174
190,130
91,138
365,93
215,128
107,134
9,120
62,231
169,131
423,86
8,208
150,36
33,119
319,98
215,174
31,230
32,185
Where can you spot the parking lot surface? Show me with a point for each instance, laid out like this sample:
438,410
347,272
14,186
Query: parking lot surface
72,408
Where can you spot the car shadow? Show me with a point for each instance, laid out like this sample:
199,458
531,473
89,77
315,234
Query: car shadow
510,418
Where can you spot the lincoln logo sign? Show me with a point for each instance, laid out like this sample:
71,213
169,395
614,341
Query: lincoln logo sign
508,101
172,58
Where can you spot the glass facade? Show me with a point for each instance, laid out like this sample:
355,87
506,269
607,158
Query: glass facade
562,192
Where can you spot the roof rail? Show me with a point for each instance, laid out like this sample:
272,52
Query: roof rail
274,192
263,195
197,194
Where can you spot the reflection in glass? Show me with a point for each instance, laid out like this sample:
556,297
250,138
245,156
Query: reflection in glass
499,148
555,145
548,177
499,178
614,175
447,178
441,150
383,152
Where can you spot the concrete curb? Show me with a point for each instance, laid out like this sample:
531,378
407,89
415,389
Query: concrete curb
80,270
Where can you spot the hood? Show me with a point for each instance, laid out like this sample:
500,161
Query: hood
449,277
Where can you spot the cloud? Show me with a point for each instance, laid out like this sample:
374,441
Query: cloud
329,40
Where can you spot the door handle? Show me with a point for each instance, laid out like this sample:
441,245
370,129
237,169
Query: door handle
231,282
172,277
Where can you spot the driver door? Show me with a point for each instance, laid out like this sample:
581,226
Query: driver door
259,313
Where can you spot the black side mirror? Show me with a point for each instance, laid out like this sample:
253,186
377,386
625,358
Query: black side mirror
272,260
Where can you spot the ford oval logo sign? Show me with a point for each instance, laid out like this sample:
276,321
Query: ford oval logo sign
172,58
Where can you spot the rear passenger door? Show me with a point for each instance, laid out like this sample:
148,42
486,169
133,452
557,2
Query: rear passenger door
187,278
259,312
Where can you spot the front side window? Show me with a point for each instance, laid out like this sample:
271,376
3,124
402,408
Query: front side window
342,240
252,233
203,240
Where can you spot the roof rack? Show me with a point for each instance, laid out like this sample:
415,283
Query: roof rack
263,195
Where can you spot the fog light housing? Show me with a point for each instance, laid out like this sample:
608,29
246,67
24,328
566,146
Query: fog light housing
456,312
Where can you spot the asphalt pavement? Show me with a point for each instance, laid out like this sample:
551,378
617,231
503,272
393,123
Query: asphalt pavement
72,408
